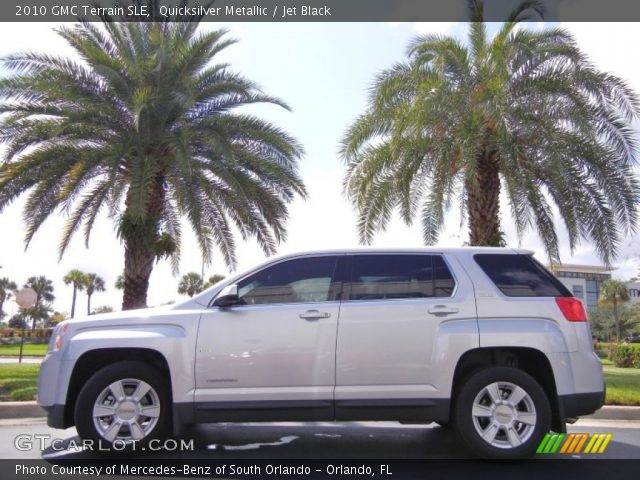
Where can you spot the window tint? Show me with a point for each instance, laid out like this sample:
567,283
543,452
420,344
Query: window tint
293,281
520,276
376,277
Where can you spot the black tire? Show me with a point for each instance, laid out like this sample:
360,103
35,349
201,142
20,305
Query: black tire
474,387
129,372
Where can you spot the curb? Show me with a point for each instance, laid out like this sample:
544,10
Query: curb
616,412
21,410
32,410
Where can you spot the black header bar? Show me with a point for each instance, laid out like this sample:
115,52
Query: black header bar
309,10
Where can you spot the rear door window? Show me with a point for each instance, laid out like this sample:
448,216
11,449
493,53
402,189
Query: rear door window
520,276
396,276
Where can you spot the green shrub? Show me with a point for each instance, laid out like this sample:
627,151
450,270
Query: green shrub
625,356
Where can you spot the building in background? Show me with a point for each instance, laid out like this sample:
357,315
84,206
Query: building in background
634,293
584,282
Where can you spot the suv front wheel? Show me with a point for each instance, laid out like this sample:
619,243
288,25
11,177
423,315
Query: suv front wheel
123,406
501,412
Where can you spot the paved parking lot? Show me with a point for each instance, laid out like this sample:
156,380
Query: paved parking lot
357,440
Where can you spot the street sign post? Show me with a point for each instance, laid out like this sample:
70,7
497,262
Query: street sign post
25,298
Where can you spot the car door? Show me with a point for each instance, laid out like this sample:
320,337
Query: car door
403,317
272,356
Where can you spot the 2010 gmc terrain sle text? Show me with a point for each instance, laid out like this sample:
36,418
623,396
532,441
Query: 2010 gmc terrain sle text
483,339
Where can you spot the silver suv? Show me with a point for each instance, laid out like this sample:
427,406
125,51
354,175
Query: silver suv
483,339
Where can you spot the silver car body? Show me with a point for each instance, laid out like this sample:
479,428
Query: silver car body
378,359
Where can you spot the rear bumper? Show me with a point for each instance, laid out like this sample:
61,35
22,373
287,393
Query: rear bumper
579,404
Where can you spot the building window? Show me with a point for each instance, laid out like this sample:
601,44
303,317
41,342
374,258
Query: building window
578,291
592,293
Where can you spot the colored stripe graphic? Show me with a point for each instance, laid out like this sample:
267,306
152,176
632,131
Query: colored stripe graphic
555,447
596,445
543,443
606,441
568,442
573,443
583,439
552,440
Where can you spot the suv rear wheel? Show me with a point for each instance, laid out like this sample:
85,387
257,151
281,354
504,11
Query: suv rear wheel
123,403
501,412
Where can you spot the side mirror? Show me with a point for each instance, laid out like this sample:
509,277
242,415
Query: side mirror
228,296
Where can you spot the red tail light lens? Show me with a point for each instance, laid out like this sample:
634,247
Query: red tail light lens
572,309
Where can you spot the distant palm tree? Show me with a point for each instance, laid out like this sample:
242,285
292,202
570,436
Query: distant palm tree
103,309
614,293
6,288
75,278
522,113
44,296
92,283
147,125
213,279
119,285
190,284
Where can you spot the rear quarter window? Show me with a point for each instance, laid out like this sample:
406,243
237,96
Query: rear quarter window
520,276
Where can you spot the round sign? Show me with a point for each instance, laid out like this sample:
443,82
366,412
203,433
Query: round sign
26,297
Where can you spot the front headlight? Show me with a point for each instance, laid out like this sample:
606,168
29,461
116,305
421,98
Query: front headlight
58,336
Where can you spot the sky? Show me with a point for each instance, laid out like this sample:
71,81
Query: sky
323,71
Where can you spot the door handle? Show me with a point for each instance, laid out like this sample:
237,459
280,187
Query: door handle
314,315
442,310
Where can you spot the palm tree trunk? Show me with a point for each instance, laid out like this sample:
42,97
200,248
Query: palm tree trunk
138,263
139,254
73,302
88,304
615,319
483,191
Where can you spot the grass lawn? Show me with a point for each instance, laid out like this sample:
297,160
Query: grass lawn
30,349
18,381
623,385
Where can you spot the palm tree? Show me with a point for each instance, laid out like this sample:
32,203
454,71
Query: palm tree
148,127
604,325
213,279
119,284
76,278
44,296
523,113
190,284
614,293
93,283
6,287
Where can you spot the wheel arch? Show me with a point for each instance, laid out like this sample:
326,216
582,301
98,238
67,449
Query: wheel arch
530,360
93,360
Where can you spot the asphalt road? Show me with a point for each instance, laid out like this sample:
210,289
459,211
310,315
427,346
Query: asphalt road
358,440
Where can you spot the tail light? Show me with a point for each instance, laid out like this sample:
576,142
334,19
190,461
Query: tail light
572,309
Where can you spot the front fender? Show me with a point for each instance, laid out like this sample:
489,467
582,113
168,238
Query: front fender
172,341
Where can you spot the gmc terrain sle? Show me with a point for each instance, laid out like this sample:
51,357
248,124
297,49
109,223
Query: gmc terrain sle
483,339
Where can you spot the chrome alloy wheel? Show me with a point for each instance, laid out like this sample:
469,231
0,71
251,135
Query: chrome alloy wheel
126,410
504,415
